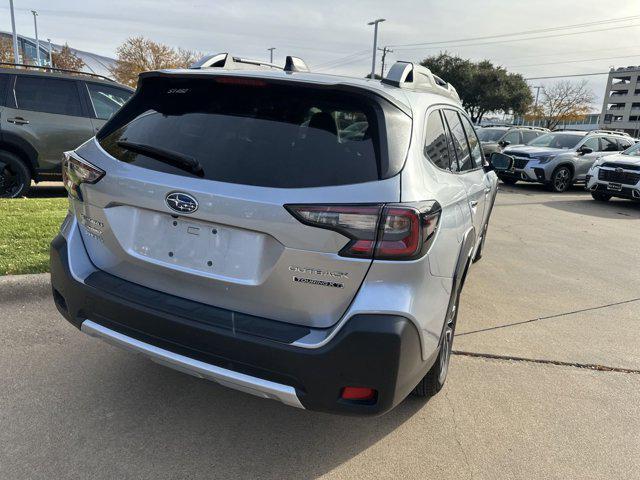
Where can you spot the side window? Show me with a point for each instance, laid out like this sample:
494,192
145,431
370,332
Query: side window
4,81
106,100
528,135
435,143
474,143
608,144
50,95
513,137
623,143
459,141
592,143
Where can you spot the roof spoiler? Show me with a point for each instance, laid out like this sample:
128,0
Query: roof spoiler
413,76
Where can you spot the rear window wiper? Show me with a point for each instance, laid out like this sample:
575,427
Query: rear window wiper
179,160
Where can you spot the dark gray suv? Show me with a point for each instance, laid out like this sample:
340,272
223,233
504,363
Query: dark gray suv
43,114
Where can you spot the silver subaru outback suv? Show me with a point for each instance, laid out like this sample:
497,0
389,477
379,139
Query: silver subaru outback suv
223,224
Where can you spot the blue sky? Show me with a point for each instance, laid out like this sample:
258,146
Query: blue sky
323,33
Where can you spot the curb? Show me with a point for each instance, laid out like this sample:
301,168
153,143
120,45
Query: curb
21,287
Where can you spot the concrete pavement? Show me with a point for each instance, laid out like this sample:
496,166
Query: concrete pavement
73,407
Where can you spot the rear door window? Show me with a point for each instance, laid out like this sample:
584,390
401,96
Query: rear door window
608,144
106,100
253,133
513,137
435,145
49,95
459,141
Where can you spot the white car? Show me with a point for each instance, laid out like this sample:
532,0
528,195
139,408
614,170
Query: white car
616,176
222,225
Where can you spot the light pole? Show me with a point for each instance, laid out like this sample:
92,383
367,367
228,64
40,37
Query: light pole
50,53
15,36
271,54
35,25
375,44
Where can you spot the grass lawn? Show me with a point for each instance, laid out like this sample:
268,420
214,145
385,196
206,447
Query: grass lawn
27,226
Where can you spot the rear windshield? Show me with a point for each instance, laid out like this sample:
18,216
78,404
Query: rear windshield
250,132
556,140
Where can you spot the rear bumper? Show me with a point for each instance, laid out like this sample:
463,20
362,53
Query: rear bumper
382,352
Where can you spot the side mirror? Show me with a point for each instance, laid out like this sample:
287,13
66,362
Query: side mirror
504,143
500,162
585,150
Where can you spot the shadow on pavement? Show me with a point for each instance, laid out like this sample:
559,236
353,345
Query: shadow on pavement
615,208
171,422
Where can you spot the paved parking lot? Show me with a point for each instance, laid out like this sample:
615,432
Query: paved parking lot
546,382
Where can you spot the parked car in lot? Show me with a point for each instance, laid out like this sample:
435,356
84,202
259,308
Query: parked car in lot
221,225
560,159
616,176
45,113
496,138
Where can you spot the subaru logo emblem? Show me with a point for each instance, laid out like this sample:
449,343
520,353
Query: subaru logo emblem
619,170
181,202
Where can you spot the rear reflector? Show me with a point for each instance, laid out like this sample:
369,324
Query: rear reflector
385,232
358,393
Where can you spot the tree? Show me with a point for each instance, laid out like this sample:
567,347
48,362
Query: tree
139,54
482,86
6,50
561,102
66,59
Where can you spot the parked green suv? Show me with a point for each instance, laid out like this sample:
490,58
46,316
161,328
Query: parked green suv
43,114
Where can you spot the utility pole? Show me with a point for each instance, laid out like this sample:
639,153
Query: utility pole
384,51
50,53
35,25
15,35
537,87
271,54
375,44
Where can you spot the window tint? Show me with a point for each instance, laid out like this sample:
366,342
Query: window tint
608,144
528,135
459,141
436,148
50,95
255,134
4,82
474,144
513,137
106,100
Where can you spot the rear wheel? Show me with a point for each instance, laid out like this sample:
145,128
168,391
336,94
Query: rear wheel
15,177
600,197
560,179
434,380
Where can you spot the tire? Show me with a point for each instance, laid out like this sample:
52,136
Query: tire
15,177
561,180
434,380
509,181
600,197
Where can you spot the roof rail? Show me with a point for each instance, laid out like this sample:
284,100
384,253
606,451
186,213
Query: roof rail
229,62
413,76
611,132
54,69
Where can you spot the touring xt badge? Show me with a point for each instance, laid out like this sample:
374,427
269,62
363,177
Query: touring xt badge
319,272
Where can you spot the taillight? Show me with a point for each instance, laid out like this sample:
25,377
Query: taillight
76,171
385,232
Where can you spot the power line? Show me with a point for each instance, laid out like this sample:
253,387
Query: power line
525,32
340,59
522,39
567,76
573,61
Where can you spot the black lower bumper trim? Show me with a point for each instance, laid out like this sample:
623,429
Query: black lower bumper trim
625,192
382,352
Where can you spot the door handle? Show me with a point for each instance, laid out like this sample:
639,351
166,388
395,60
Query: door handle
487,190
18,121
473,203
